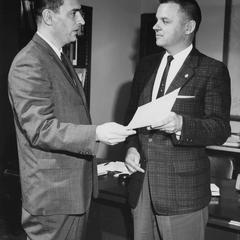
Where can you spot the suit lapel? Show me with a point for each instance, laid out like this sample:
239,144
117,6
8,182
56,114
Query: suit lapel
78,85
186,72
79,89
75,79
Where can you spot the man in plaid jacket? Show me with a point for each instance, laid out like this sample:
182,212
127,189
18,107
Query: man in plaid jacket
169,189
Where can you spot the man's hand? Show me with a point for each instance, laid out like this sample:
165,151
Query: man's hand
112,133
132,160
171,124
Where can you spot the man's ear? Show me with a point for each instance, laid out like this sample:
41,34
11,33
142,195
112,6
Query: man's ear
47,16
190,27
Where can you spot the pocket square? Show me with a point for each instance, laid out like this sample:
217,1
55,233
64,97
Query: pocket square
183,96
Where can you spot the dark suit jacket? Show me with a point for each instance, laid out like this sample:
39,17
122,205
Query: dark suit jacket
56,141
179,170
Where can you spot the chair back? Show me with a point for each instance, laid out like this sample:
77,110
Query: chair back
221,167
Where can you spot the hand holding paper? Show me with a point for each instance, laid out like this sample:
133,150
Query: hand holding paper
170,124
153,112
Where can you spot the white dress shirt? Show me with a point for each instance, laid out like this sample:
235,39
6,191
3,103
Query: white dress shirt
176,64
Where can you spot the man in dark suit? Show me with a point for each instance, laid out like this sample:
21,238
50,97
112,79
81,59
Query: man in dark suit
56,140
169,189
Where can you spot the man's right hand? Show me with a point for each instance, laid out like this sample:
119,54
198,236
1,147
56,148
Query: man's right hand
132,161
112,133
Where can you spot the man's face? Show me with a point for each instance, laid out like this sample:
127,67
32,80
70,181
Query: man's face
67,21
170,27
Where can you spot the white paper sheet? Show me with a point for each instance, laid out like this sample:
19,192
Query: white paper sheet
117,166
214,189
154,111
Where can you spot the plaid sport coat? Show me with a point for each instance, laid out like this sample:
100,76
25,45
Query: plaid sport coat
179,170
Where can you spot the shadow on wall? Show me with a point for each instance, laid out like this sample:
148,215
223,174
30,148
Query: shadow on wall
118,152
136,49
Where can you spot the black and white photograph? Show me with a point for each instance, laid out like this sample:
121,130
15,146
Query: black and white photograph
120,120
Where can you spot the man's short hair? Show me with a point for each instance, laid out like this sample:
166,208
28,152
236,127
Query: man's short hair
40,5
190,8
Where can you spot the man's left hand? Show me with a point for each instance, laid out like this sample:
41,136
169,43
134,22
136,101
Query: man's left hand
171,124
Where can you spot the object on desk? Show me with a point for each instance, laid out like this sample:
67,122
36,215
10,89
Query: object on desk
233,141
214,201
235,223
221,167
101,170
215,190
123,178
237,186
117,167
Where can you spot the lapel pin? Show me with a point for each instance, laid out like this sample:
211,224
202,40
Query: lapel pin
186,75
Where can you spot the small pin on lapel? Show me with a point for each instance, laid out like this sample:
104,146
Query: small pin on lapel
186,75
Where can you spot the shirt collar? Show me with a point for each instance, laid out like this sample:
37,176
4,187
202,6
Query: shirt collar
182,54
55,49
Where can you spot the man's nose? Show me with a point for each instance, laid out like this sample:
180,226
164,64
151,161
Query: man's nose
79,18
156,26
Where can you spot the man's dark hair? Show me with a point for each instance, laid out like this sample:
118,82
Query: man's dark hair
40,5
191,9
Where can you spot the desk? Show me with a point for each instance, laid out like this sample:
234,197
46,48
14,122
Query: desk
113,193
227,208
110,215
228,152
224,149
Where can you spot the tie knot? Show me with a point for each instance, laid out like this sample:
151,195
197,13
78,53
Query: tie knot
169,59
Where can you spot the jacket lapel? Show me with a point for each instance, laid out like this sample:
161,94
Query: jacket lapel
55,58
79,89
75,79
186,72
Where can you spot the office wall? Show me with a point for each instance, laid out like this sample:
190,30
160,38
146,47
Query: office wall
114,54
210,36
149,6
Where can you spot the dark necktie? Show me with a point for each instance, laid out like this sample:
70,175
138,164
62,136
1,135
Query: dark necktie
68,67
164,77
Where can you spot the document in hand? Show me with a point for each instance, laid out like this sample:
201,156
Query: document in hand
154,111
